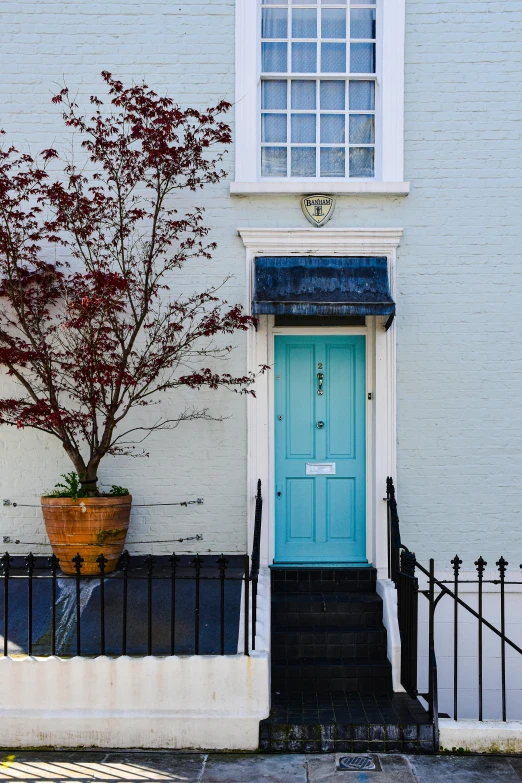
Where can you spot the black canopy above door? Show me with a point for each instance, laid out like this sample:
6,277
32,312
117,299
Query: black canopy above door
323,286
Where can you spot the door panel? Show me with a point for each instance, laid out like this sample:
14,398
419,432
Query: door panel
320,450
340,364
299,401
300,509
340,512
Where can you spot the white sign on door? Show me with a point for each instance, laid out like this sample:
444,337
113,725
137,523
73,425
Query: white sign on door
320,468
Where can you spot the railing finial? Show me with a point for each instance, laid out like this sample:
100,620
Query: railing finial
481,565
456,563
502,565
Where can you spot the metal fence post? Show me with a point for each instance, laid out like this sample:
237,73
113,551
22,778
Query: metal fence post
6,565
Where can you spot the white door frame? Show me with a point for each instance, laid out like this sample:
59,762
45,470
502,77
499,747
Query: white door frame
380,378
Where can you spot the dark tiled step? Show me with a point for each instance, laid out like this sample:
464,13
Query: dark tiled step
345,738
346,722
324,675
335,608
297,580
329,642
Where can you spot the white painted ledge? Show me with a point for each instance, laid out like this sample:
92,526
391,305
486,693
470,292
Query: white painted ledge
489,736
388,593
305,187
299,241
198,701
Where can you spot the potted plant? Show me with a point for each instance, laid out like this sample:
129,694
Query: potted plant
90,326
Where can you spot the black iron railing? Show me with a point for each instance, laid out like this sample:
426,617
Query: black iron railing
402,567
148,606
401,570
256,554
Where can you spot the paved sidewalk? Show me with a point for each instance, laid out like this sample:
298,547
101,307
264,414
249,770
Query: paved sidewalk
171,767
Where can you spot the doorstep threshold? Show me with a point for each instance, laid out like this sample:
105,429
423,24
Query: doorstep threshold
304,565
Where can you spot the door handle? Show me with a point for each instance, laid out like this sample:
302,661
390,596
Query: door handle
320,377
279,490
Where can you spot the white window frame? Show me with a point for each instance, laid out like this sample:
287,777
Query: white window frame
389,110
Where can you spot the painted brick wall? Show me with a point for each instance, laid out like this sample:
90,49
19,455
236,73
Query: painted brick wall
459,278
186,50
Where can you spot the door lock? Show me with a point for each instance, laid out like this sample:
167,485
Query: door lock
320,425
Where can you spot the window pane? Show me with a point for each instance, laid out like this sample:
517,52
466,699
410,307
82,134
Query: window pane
304,57
362,23
274,2
332,95
304,23
273,57
333,2
333,57
332,161
274,23
362,58
361,161
357,2
303,128
362,95
273,94
361,129
332,128
273,127
303,161
273,161
333,23
304,2
303,94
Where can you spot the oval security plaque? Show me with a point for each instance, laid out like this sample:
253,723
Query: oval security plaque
356,762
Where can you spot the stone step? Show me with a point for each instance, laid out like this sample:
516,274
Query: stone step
346,738
302,722
328,608
356,675
316,580
329,642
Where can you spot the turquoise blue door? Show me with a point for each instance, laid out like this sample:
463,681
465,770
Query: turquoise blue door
320,444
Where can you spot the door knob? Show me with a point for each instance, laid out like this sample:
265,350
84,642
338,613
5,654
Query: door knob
320,425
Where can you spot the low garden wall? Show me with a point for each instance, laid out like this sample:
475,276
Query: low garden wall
200,702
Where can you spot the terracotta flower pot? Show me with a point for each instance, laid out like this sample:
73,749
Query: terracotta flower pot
88,526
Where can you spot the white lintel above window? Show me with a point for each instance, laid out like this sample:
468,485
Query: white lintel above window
389,107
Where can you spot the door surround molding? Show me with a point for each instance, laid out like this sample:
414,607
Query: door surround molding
380,377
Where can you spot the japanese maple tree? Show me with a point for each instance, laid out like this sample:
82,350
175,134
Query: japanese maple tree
91,324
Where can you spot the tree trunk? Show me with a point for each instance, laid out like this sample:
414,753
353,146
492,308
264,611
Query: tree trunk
87,473
76,459
90,479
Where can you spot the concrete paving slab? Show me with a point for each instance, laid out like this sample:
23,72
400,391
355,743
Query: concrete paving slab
516,763
151,767
463,769
390,769
178,767
320,768
236,768
124,767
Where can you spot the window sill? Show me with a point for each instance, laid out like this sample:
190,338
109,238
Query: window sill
306,187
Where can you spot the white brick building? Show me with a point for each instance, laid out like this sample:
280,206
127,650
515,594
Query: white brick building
432,186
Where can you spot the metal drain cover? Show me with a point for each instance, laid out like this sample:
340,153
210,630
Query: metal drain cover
356,762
